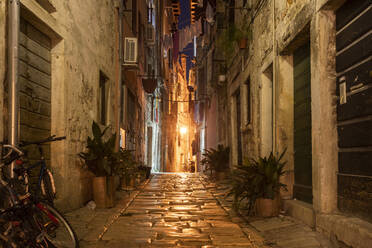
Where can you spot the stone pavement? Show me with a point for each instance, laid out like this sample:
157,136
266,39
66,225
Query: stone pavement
282,231
182,210
172,210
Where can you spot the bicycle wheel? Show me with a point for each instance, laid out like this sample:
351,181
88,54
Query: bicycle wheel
48,188
57,230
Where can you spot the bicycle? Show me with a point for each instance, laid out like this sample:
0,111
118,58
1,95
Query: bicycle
45,185
27,220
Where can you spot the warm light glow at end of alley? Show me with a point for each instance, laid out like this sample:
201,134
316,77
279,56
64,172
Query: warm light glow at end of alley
183,130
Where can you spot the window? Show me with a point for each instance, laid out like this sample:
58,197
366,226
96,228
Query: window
238,125
232,12
248,107
170,60
221,20
134,17
103,89
122,99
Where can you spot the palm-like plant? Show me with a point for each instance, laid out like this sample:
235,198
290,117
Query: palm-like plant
100,155
126,164
257,179
216,160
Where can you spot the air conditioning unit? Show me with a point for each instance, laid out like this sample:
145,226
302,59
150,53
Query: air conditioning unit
130,50
150,34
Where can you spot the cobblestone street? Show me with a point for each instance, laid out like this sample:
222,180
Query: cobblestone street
171,210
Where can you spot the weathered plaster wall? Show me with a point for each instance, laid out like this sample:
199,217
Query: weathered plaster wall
297,22
2,64
133,79
253,66
83,35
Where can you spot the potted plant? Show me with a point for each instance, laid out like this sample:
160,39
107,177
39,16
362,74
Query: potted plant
232,36
257,182
100,160
126,168
216,161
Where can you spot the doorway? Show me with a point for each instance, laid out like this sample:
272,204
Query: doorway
302,189
267,111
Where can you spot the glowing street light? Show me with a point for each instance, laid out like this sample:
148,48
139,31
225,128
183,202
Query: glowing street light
183,130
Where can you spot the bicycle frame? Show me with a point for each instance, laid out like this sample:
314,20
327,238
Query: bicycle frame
23,221
43,168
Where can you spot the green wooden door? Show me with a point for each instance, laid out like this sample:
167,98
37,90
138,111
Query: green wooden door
35,90
354,107
302,125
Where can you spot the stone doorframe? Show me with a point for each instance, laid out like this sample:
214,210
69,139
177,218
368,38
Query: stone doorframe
233,140
320,24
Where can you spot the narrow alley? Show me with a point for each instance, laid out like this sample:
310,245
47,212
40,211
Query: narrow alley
185,210
186,123
172,210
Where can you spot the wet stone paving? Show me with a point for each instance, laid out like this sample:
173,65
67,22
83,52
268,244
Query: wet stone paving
173,210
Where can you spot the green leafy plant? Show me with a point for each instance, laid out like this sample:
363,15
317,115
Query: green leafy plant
257,179
126,166
100,155
231,36
216,160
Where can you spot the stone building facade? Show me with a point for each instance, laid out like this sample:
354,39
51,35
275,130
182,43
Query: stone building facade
303,84
136,21
69,72
65,53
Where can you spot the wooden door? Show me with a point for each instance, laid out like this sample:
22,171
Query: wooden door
35,83
35,90
302,125
238,125
149,146
354,108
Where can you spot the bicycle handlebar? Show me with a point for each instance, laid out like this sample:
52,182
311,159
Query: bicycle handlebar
49,139
19,152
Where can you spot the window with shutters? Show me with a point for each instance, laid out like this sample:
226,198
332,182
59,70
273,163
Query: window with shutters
238,125
122,99
232,12
248,97
134,17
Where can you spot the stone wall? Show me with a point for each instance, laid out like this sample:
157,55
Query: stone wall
89,47
83,35
3,57
271,53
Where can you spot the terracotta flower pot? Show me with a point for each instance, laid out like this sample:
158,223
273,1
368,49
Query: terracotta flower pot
243,43
127,183
267,207
104,191
220,175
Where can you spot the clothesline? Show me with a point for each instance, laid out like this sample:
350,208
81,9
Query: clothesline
182,101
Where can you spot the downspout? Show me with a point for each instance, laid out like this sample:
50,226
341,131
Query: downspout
13,87
274,89
119,73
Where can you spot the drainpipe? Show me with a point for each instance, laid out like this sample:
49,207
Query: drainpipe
13,34
119,73
274,82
